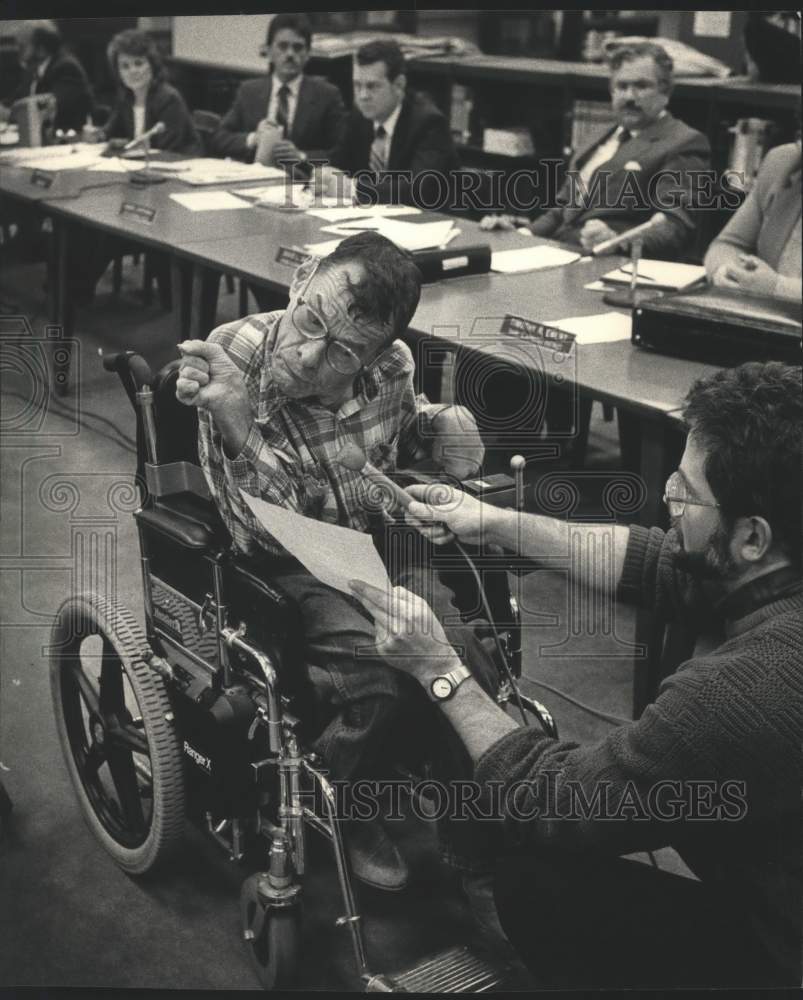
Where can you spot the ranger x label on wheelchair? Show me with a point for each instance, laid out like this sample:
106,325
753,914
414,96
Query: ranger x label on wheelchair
194,717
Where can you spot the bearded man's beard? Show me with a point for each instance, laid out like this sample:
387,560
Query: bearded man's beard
714,563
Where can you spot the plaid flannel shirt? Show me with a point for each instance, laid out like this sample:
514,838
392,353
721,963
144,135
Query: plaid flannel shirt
289,457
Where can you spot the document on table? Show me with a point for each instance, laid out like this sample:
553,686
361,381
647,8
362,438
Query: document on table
116,165
363,212
407,235
323,249
531,258
209,201
333,554
70,161
600,329
206,170
26,153
661,274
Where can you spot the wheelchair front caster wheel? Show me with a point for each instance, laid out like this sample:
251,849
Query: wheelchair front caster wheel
272,937
116,728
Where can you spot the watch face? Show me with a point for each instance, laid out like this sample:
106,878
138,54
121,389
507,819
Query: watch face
441,688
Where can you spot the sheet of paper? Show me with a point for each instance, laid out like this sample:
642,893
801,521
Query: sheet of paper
115,165
531,259
51,152
363,212
411,236
600,329
72,161
333,554
658,273
209,201
206,170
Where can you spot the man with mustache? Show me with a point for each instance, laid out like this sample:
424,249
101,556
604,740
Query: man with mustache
306,110
643,166
713,768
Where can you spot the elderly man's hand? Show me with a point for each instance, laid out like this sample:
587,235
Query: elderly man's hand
751,274
332,183
457,449
408,634
208,378
504,222
440,513
595,231
285,152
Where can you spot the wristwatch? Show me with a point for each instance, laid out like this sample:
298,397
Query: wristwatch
442,688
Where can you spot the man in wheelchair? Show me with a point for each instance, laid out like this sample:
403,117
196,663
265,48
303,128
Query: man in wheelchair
278,396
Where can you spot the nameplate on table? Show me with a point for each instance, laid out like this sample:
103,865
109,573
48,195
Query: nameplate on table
138,213
545,336
291,256
41,178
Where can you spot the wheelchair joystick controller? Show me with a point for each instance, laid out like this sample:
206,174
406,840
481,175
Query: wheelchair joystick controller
352,457
517,466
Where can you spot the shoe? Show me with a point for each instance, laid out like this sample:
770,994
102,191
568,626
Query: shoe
375,859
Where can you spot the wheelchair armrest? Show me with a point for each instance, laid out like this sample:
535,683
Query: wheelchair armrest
192,534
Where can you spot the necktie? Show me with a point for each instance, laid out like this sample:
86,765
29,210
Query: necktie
378,157
283,108
603,154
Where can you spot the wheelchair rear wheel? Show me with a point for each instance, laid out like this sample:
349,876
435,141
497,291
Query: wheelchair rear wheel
116,728
272,936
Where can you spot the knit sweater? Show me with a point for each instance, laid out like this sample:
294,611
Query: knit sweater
725,737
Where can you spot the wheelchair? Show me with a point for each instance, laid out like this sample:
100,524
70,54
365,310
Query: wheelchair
200,717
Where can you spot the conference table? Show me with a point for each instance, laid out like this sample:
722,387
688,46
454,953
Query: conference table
262,245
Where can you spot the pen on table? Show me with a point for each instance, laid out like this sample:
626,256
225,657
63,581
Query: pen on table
639,274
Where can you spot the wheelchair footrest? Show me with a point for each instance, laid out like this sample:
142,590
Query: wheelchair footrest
456,970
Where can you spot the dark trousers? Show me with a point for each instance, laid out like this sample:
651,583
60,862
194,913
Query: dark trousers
581,921
371,714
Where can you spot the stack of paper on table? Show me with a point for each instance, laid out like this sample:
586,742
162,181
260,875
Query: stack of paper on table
531,258
661,274
333,554
600,329
25,153
68,158
407,235
208,201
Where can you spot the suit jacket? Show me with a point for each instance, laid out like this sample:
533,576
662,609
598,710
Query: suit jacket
421,145
764,222
638,185
316,124
163,104
66,79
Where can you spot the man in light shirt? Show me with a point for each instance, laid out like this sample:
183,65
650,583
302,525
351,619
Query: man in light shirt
644,166
302,114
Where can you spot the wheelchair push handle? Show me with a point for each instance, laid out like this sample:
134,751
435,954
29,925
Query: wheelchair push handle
131,362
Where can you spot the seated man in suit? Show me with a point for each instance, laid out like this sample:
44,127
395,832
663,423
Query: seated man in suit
396,144
49,69
642,167
307,109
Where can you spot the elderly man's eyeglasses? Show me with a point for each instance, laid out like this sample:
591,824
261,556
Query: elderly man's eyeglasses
312,327
676,496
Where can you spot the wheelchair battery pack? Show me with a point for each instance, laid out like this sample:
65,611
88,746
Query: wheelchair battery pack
435,265
720,326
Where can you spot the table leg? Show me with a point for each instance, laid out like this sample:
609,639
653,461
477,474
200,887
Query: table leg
180,280
203,301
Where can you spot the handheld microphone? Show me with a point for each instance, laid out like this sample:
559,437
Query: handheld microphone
351,456
631,234
157,129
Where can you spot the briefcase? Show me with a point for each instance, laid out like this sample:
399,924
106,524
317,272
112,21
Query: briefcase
720,326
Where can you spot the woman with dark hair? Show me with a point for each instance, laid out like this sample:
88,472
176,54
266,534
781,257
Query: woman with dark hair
145,98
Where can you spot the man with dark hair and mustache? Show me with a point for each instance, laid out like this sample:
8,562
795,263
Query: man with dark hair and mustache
713,768
642,166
